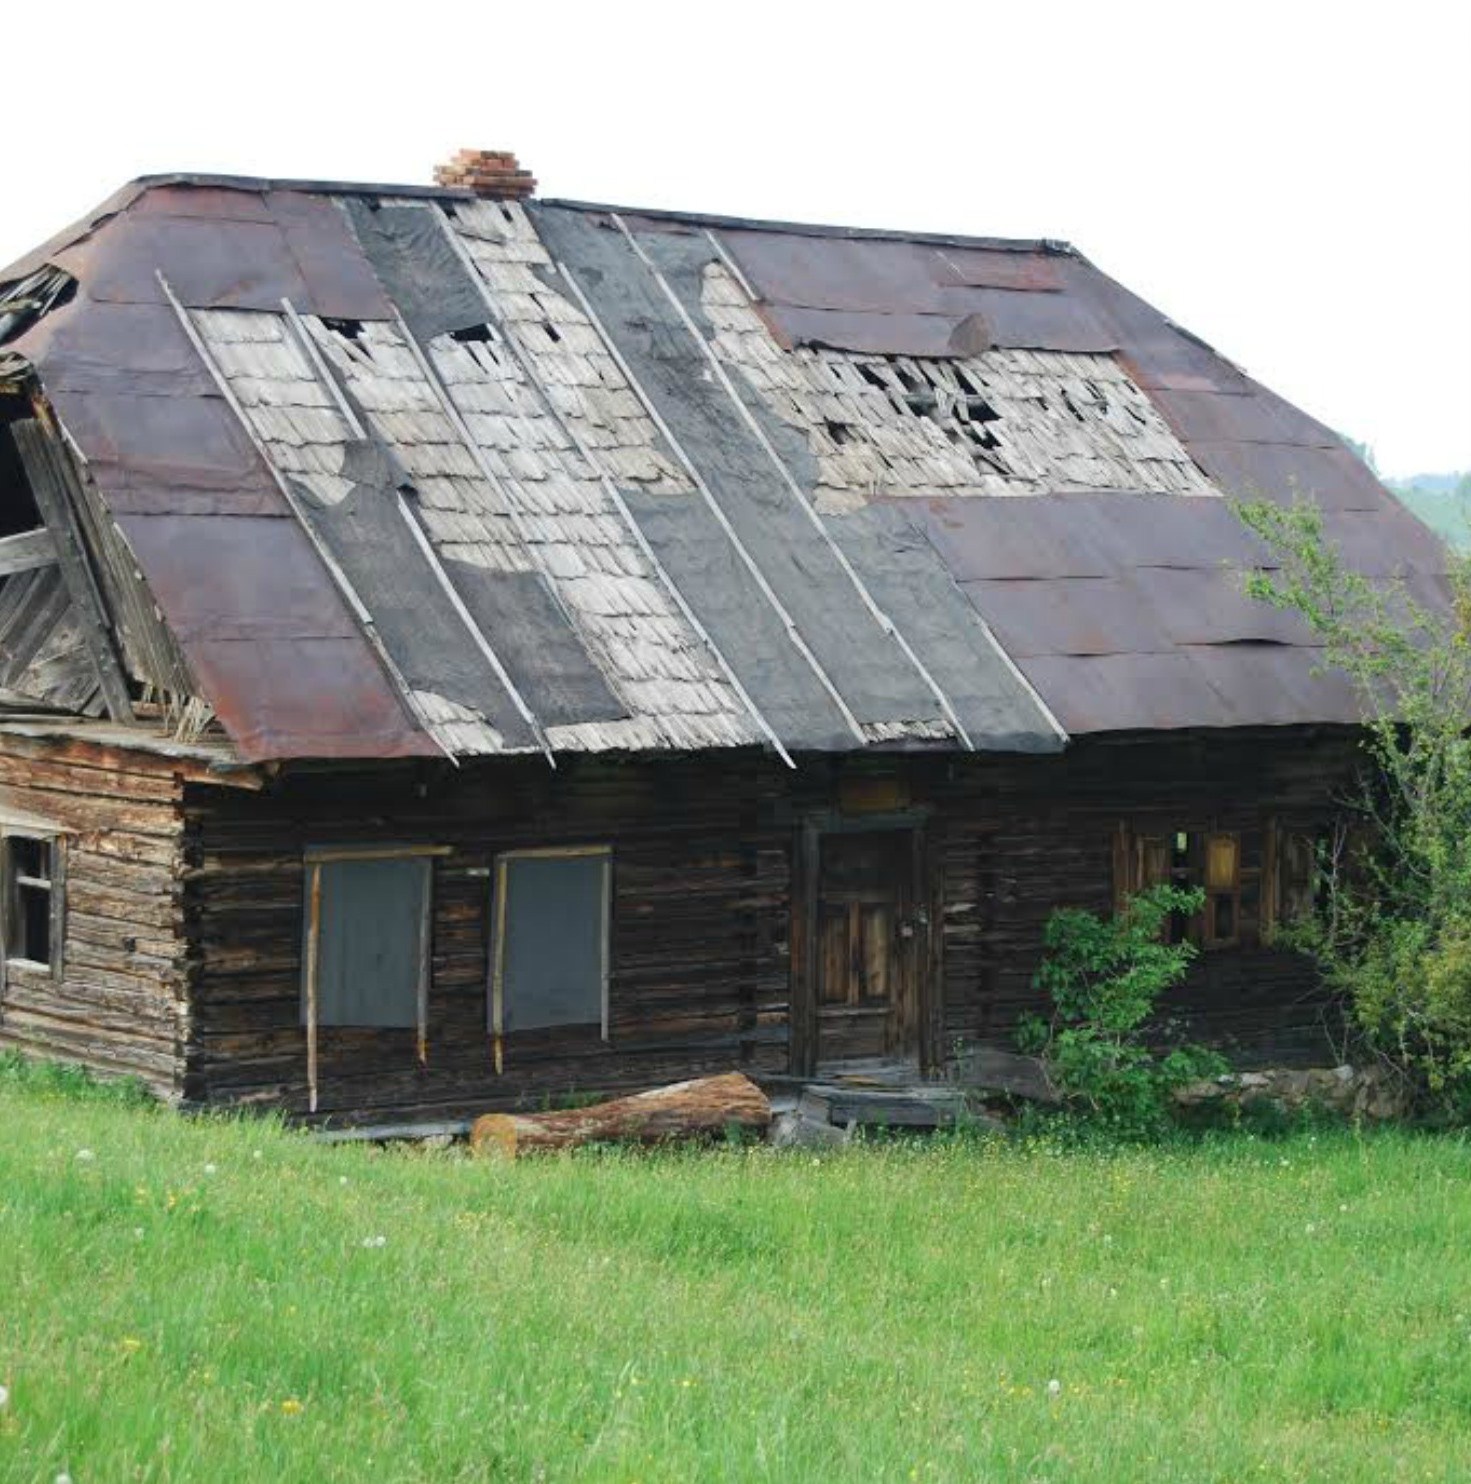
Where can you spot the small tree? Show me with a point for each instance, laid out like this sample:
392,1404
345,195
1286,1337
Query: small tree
1105,975
1391,926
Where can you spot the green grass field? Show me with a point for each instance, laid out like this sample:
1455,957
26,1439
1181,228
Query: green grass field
201,1300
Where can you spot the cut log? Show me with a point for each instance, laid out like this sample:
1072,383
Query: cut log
684,1110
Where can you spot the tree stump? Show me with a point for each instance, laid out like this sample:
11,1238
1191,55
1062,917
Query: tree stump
683,1110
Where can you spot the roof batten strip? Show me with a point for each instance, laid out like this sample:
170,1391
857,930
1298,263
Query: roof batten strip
313,353
819,525
340,578
615,495
421,540
473,448
736,271
698,479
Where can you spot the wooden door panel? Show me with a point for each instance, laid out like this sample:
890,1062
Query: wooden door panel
834,955
865,971
875,945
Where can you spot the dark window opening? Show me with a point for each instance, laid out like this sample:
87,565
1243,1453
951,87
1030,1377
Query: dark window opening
1306,859
1210,861
30,899
18,512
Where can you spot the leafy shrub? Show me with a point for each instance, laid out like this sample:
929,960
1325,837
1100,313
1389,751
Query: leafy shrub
1391,924
1105,975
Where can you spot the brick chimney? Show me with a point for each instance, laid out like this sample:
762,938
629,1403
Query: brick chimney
491,173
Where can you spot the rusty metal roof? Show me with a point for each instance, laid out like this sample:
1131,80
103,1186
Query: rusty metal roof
408,472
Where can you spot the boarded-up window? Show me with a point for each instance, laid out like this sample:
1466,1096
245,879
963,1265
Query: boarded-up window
551,939
366,944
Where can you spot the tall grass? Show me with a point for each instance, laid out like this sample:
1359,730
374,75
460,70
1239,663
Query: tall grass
216,1300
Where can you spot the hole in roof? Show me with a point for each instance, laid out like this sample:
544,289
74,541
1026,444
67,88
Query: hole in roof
966,384
450,210
349,329
840,433
553,334
478,333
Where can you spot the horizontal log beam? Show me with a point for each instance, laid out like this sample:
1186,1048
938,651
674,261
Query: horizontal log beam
26,552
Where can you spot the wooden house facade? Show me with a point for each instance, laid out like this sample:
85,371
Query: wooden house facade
458,650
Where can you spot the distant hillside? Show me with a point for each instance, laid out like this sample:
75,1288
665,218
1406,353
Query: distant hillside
1437,484
1442,501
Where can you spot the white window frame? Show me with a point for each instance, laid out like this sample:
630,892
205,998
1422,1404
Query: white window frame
18,828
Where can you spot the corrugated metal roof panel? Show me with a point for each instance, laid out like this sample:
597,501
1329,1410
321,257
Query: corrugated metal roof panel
1128,692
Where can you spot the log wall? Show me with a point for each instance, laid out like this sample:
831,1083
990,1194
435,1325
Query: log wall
703,861
118,1003
1023,836
698,951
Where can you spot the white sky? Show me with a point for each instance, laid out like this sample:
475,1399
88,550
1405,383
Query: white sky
1290,180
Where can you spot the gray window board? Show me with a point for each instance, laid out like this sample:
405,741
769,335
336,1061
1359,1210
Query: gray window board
371,941
552,911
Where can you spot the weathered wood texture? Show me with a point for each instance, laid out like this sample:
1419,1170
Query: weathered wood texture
702,919
118,1003
682,1110
698,951
1034,834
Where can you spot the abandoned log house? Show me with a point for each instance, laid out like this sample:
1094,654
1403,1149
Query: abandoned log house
458,648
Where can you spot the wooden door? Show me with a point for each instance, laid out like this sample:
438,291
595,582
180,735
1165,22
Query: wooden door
865,950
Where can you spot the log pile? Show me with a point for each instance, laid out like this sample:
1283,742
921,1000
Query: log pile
684,1110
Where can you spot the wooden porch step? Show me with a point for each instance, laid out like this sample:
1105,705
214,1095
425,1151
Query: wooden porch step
926,1106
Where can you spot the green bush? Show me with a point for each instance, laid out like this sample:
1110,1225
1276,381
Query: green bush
1390,926
1104,975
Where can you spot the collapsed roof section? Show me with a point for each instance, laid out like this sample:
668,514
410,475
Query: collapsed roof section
419,473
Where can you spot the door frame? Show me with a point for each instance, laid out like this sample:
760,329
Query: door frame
925,963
